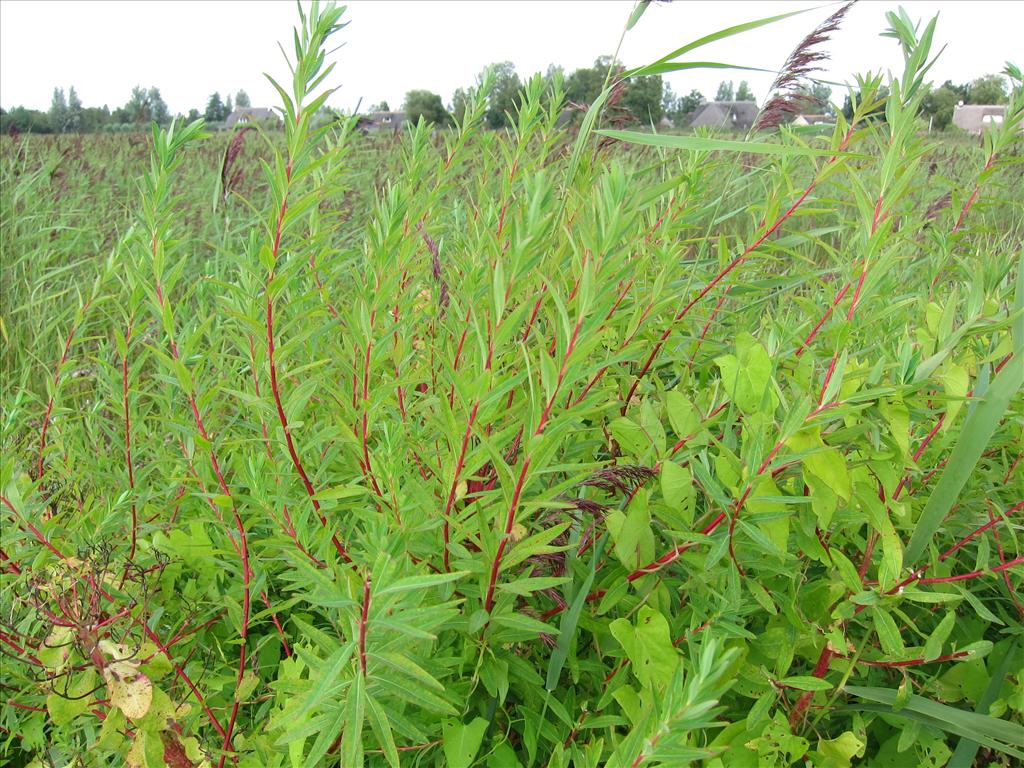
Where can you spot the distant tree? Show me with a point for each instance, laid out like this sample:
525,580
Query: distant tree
643,99
743,93
214,109
58,111
725,91
606,62
158,111
503,100
460,100
228,107
938,104
685,106
242,100
95,119
584,85
73,121
818,96
427,105
26,121
989,89
137,109
668,100
381,107
193,115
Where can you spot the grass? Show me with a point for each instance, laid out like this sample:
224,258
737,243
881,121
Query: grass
474,448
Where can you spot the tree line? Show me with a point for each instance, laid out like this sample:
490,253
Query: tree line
67,114
642,100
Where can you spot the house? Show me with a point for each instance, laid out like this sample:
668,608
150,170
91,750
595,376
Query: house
975,118
250,115
731,115
812,119
382,121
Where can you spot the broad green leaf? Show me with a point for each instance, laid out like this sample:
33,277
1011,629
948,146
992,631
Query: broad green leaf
747,376
648,645
840,751
462,741
631,532
678,490
682,414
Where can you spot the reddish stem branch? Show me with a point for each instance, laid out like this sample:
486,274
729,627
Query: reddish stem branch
510,517
128,440
828,313
363,620
275,386
56,384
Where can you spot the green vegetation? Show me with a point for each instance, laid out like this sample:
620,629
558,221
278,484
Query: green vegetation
525,448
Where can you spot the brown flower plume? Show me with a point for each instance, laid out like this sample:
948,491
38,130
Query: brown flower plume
789,96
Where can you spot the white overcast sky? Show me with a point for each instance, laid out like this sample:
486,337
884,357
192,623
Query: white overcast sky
190,49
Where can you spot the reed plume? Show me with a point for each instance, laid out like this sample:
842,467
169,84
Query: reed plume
789,87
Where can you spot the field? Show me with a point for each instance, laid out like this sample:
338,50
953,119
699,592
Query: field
548,447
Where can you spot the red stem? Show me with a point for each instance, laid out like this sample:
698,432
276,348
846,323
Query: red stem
128,440
362,625
56,385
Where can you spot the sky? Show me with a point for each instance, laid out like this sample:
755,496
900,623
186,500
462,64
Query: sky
189,49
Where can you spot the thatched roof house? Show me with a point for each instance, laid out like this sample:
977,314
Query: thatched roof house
383,121
974,118
812,119
731,115
250,115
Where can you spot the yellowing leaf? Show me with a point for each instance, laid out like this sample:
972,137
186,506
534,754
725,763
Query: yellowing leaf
955,383
840,751
130,690
898,418
824,472
55,651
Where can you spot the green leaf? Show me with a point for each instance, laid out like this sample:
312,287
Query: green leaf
933,646
677,489
332,668
648,645
806,683
462,742
418,583
682,414
840,751
632,533
974,437
747,375
986,730
963,756
888,633
567,628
